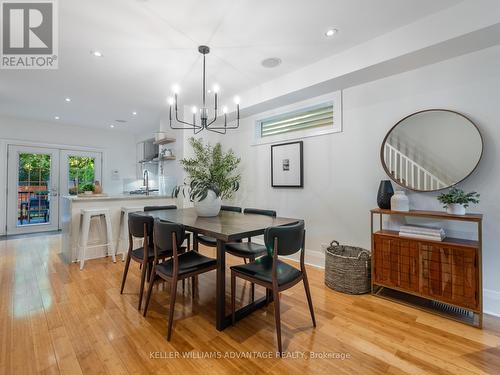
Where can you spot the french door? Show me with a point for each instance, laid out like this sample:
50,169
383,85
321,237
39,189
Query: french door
38,178
78,170
33,189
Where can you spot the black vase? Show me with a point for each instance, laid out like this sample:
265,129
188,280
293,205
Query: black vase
385,192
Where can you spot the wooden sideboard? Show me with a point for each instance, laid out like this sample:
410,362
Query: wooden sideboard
442,277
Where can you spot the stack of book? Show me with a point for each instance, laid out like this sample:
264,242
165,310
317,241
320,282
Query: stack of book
424,233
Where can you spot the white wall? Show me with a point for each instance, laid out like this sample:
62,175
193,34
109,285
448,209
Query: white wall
343,170
118,149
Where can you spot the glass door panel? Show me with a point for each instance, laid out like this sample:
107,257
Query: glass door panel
33,175
79,171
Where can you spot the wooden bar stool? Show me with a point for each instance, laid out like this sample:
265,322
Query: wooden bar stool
86,215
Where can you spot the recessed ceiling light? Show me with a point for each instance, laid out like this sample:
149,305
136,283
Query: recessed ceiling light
271,62
96,53
331,32
67,100
134,113
111,126
56,117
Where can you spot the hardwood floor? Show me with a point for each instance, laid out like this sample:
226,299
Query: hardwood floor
55,318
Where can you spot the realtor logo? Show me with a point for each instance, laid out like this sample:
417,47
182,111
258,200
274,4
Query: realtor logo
29,34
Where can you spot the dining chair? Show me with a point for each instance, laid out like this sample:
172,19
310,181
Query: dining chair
273,274
167,207
157,208
249,250
141,226
210,241
168,238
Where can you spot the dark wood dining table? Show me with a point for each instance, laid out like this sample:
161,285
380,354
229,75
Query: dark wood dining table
226,227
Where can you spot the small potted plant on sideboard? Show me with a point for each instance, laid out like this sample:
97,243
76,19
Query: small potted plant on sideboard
456,200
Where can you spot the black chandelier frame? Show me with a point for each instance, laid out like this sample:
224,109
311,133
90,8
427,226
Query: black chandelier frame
204,122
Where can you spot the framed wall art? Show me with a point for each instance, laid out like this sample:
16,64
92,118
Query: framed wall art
287,165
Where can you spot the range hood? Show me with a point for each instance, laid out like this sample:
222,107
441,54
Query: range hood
148,151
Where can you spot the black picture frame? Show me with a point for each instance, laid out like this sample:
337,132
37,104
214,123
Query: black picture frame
286,162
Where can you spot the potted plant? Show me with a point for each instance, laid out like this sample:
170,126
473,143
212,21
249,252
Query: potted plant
87,188
456,200
211,177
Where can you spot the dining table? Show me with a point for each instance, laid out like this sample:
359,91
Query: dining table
226,227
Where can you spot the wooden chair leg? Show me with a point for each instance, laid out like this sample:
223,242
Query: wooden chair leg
309,299
233,296
183,285
148,296
125,271
268,296
193,287
149,267
143,280
277,318
173,294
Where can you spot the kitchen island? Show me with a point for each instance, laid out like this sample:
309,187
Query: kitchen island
71,207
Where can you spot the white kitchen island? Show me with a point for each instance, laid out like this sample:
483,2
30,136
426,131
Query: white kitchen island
71,207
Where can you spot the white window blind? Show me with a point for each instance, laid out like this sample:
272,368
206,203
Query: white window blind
320,116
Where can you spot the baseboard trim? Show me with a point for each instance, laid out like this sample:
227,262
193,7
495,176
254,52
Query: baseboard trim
312,258
491,302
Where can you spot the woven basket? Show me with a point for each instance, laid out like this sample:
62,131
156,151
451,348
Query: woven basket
348,269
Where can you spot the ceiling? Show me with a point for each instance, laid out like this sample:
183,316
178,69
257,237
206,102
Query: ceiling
149,45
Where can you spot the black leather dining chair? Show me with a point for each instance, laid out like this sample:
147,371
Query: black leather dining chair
249,250
210,241
168,238
273,274
141,226
167,207
157,208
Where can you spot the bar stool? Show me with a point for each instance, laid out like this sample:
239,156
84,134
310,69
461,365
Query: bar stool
123,228
86,216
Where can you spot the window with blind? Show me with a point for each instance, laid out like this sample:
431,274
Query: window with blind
311,118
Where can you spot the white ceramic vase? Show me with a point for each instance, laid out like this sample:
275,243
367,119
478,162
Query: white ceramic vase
210,206
400,202
455,209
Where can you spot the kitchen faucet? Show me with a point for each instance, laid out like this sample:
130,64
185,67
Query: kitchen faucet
145,181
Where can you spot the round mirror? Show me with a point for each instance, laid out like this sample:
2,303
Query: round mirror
431,150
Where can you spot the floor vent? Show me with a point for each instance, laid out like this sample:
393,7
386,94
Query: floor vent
435,307
452,310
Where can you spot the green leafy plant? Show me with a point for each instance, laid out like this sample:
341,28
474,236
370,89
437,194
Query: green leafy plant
209,169
458,196
87,187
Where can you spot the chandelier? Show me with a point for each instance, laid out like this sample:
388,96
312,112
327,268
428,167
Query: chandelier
204,122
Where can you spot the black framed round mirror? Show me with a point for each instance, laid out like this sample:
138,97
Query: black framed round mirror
431,150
